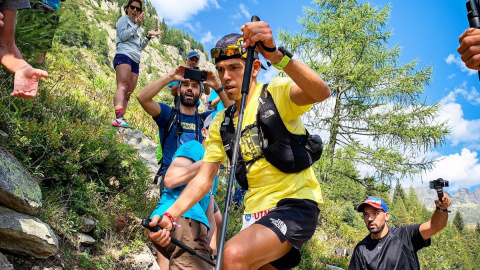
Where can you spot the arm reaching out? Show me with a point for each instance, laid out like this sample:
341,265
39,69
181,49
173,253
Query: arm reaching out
26,77
309,88
439,218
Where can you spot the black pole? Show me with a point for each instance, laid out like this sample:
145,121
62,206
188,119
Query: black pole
245,87
176,242
473,15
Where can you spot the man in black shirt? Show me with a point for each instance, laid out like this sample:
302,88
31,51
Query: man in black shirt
394,248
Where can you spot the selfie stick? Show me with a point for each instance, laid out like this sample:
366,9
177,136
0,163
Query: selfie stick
473,15
245,88
176,242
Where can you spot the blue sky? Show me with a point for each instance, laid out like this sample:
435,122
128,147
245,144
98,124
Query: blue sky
425,30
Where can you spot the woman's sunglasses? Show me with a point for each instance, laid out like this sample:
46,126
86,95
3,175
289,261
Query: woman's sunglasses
132,7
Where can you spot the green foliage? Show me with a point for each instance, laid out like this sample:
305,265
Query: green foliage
477,227
399,193
374,97
458,221
399,215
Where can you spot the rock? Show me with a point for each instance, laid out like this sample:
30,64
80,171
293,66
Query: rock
146,148
144,261
3,136
4,263
18,190
26,235
331,267
85,240
86,225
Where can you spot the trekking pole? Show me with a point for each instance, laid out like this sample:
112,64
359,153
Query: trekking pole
473,15
176,242
245,88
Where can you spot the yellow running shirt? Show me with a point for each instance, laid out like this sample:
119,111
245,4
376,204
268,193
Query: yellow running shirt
266,184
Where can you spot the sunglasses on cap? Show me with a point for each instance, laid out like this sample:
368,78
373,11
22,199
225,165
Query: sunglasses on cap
132,7
228,51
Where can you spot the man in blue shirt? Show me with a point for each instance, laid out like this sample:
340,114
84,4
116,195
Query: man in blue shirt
194,224
188,126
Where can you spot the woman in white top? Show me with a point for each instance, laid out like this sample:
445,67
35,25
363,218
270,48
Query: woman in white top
127,58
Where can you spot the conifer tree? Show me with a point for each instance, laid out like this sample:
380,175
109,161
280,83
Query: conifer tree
458,221
378,114
399,193
477,228
400,215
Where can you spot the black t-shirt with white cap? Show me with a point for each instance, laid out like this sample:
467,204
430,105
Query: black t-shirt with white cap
396,251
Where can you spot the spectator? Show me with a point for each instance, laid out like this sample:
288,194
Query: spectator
127,59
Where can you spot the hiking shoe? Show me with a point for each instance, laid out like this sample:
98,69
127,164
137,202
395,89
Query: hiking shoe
121,123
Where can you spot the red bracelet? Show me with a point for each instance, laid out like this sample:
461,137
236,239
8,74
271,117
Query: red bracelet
175,224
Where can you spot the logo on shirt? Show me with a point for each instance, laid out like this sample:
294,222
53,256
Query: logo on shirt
280,225
248,217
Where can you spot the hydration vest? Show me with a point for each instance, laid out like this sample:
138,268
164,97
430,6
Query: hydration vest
288,152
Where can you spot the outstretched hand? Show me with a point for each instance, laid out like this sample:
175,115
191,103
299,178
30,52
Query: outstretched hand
154,32
26,82
161,237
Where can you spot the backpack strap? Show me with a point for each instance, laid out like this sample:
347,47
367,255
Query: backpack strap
172,120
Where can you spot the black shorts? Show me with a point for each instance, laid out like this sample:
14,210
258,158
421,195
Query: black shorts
292,220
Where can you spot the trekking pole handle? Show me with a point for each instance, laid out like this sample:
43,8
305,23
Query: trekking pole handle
175,241
473,15
249,63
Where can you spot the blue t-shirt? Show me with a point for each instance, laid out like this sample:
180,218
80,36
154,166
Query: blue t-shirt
194,151
189,124
220,106
53,3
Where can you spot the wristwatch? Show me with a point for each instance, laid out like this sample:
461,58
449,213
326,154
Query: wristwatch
285,60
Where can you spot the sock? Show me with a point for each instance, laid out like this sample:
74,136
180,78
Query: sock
119,113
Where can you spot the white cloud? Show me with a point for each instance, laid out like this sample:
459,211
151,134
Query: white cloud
452,59
207,38
179,12
462,130
451,76
460,169
237,16
244,11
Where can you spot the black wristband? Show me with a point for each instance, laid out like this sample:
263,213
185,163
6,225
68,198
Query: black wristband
268,49
219,90
148,37
443,210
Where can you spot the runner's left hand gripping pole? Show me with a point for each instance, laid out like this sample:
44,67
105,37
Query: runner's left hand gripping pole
245,87
176,242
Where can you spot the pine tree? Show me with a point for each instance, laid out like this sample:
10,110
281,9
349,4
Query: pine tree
399,193
477,228
458,221
374,98
400,215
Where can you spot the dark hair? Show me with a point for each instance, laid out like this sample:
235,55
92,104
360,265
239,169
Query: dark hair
130,2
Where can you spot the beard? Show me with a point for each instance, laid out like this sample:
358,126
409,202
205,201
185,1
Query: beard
189,103
377,229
